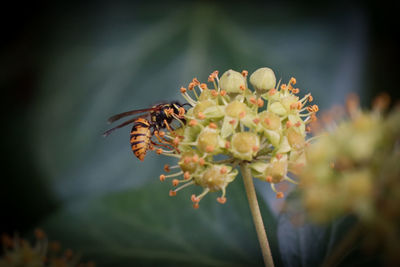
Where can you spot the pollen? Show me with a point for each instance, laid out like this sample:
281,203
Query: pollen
181,112
222,93
256,120
214,93
162,177
195,158
172,193
227,144
209,148
166,168
292,80
175,182
203,86
212,125
191,86
283,87
242,114
279,195
272,92
183,90
221,200
202,162
260,102
245,73
186,175
295,90
310,98
288,124
223,170
268,179
195,81
192,123
194,199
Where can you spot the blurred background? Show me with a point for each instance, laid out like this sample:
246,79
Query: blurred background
65,68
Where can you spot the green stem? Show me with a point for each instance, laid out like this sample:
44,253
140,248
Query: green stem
255,212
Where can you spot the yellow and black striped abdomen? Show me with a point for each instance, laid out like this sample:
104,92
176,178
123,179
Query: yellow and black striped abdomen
140,138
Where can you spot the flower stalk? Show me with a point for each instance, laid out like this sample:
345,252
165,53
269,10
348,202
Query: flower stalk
256,214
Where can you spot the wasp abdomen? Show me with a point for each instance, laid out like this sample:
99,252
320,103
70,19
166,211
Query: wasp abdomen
140,138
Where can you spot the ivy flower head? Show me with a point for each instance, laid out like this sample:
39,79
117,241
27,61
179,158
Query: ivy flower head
229,123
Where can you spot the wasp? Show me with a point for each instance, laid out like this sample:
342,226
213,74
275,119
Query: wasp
145,125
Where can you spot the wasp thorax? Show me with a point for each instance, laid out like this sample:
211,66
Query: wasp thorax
232,82
187,162
215,178
245,145
263,80
235,109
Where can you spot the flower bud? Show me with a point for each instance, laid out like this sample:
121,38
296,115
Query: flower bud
263,80
235,109
231,81
216,177
208,141
243,144
186,163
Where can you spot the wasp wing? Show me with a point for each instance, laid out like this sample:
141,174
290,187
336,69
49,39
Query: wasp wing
106,133
132,112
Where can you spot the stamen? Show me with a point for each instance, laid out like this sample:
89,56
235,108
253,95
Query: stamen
279,195
227,144
214,93
172,193
283,87
202,162
260,102
212,125
278,156
255,148
268,179
195,81
209,148
256,120
183,90
292,81
183,186
194,199
242,114
181,112
222,93
201,115
186,175
272,92
245,73
175,182
242,87
192,123
297,124
196,206
195,158
232,122
290,180
163,177
203,86
253,100
167,168
221,200
295,90
288,124
223,170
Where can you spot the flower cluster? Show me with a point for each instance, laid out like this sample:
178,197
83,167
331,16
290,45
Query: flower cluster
354,169
229,124
19,252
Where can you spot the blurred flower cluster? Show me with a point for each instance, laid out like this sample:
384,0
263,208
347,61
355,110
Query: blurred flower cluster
229,124
20,253
354,168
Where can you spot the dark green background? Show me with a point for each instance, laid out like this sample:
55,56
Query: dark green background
67,67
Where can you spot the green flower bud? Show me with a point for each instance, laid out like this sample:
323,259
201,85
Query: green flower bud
263,80
208,141
231,81
235,109
186,162
245,145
